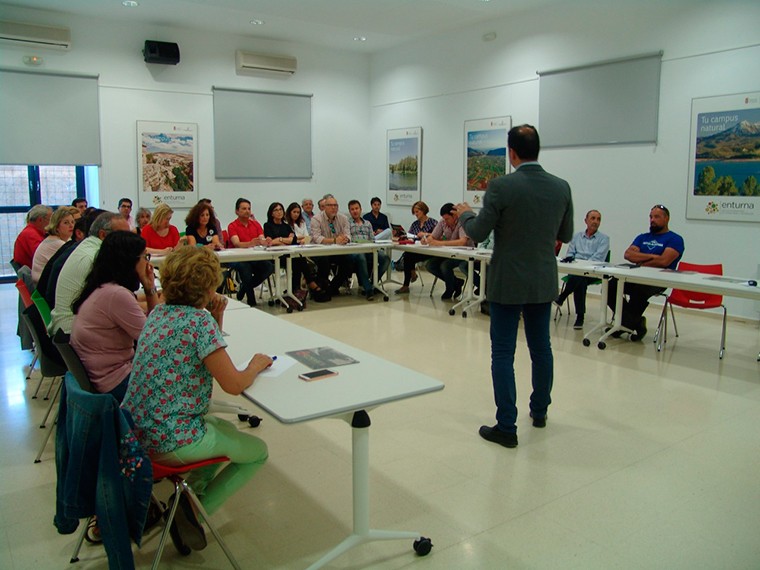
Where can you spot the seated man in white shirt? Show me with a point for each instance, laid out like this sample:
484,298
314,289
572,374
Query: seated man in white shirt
590,245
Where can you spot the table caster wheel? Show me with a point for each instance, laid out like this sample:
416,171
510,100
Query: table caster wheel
254,421
243,417
602,345
586,342
452,312
464,314
422,546
289,310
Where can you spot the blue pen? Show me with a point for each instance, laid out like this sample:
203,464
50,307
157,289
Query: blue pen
274,358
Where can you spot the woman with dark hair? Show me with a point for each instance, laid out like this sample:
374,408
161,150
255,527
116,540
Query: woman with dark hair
294,218
108,319
282,233
201,227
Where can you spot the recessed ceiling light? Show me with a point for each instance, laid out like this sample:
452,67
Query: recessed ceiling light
256,22
360,39
130,3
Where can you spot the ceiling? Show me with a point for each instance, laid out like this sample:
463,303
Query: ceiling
331,23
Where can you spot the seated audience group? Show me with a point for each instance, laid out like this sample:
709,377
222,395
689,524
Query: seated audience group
90,263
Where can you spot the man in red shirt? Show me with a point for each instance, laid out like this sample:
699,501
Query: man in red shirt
245,231
32,235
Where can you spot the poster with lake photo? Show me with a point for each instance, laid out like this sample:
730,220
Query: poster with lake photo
404,147
167,158
724,159
485,155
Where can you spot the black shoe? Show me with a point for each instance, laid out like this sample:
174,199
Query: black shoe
458,288
240,294
558,302
538,422
189,529
578,323
179,544
370,295
447,295
641,330
495,435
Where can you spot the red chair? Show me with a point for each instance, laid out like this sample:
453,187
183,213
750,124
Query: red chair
692,300
23,291
175,475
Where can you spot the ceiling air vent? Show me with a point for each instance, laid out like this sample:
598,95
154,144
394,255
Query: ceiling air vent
247,63
36,36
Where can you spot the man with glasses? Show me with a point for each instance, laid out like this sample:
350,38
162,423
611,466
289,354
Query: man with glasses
331,227
659,247
125,209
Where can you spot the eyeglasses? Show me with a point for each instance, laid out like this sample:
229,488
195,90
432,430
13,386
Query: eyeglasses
146,256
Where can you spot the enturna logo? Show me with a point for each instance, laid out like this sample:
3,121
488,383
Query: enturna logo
712,208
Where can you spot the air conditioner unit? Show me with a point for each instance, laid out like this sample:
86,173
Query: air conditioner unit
247,63
35,36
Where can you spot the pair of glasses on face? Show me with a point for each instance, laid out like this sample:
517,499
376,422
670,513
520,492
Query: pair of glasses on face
145,256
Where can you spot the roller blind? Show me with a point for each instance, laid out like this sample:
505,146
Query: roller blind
614,102
49,119
260,134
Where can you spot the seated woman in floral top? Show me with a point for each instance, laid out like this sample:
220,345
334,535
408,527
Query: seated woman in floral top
179,353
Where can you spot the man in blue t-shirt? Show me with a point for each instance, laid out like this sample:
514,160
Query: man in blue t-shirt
658,248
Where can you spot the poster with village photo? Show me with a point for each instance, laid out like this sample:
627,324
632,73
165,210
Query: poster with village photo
724,165
167,158
485,155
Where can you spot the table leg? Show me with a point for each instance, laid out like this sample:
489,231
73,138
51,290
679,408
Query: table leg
600,326
289,277
375,277
360,423
467,296
617,323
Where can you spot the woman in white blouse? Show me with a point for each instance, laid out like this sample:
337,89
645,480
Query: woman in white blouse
59,231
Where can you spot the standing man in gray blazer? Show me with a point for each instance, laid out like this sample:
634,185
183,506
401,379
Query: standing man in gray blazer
528,210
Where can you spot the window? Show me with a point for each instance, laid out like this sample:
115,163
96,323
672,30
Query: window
22,187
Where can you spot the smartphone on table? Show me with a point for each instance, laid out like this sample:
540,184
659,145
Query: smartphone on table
317,375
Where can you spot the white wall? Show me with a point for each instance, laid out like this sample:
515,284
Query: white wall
131,90
710,48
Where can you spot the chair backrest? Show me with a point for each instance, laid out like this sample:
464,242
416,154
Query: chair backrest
61,340
42,306
23,291
226,239
51,362
16,265
694,300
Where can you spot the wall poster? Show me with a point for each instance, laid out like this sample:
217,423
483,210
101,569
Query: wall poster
485,155
724,159
404,147
167,156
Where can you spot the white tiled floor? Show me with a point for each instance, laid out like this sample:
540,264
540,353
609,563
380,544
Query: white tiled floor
648,461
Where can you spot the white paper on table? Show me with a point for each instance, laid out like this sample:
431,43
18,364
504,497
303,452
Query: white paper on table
278,366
